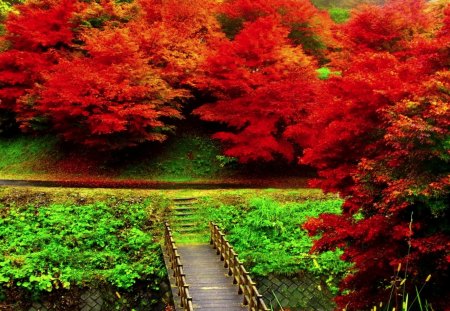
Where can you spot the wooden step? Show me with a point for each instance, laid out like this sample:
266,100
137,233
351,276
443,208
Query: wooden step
187,230
181,224
185,208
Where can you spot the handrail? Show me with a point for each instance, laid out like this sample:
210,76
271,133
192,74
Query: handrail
252,298
177,268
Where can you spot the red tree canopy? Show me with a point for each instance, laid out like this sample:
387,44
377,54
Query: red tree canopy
102,74
307,25
112,96
381,140
262,84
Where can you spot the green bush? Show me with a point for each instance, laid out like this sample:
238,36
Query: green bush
324,73
62,246
339,15
270,239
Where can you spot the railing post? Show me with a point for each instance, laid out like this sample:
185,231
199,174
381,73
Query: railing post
177,267
251,297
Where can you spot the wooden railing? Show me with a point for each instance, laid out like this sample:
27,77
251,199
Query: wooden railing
252,299
177,268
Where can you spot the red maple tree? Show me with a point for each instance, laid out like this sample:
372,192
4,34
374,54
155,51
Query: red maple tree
102,74
111,98
262,83
381,141
308,26
34,40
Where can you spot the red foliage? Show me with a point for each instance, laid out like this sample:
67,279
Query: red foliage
35,37
112,96
388,27
102,74
262,84
308,26
41,25
382,142
171,42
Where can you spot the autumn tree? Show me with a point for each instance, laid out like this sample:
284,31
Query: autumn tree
111,98
262,83
263,76
103,74
381,141
184,33
31,43
307,25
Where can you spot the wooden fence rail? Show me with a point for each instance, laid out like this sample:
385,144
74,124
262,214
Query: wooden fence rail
177,268
252,299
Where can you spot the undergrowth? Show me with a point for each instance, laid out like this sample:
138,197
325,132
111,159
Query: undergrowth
59,246
269,238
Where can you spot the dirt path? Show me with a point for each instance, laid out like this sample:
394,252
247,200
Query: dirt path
140,184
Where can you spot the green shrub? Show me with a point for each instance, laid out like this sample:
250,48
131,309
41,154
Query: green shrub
339,15
324,73
62,246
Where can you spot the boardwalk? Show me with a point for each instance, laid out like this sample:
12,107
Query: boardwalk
210,286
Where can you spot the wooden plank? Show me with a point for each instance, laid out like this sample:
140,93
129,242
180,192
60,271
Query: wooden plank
210,286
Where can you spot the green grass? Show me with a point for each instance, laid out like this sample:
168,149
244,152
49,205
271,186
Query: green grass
27,156
186,158
189,157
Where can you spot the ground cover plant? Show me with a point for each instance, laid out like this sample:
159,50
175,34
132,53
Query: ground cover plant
61,247
269,238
